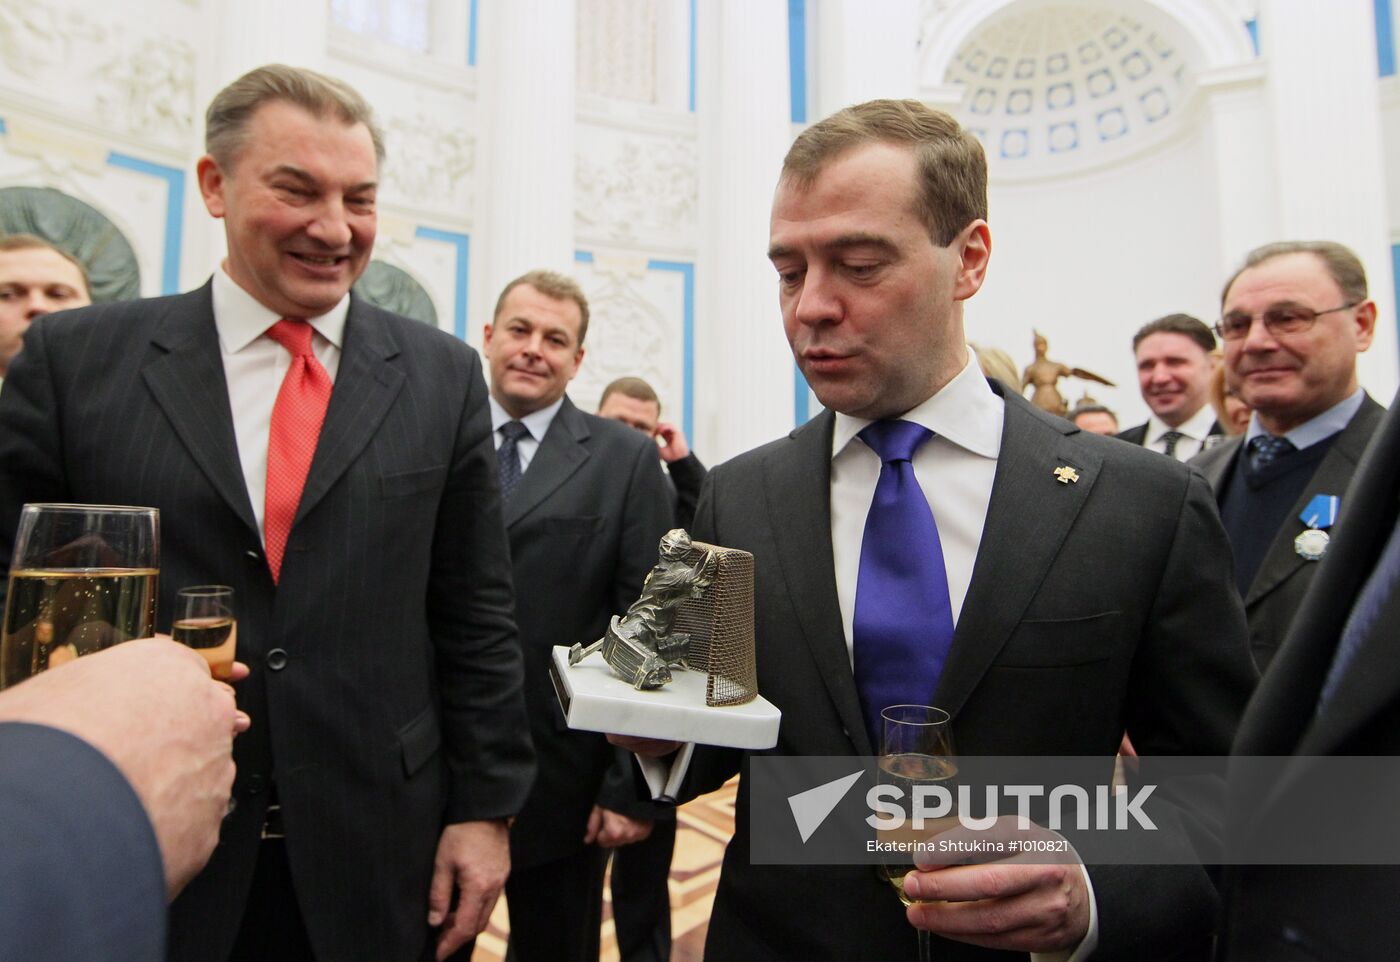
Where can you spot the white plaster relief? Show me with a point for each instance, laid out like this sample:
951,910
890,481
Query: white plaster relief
645,188
126,81
429,164
627,335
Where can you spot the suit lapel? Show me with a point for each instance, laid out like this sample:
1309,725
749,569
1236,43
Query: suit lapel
1215,463
797,489
1028,517
365,387
187,382
1332,476
560,454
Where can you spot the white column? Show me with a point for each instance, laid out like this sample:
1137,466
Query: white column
1327,147
526,57
1237,111
865,51
744,370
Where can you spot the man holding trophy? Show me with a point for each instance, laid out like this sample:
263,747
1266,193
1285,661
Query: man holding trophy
934,540
332,463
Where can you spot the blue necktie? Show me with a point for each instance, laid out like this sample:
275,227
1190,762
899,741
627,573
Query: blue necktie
1373,597
1265,449
903,624
508,455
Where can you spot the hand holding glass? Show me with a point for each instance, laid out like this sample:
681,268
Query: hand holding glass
204,621
83,578
916,748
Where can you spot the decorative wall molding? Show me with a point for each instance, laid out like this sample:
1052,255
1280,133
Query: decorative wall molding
642,187
384,58
617,41
431,164
107,70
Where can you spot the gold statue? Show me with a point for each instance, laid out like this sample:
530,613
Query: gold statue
1044,374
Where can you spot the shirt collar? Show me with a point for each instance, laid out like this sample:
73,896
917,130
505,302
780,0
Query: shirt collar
537,422
1196,427
1320,428
241,319
965,411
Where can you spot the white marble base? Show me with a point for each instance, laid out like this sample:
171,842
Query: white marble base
596,700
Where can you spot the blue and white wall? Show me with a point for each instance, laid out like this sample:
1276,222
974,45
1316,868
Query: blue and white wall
1138,148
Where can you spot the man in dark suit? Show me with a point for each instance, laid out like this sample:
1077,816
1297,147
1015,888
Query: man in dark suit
1294,318
633,401
586,505
331,462
1333,689
1076,587
114,777
1174,364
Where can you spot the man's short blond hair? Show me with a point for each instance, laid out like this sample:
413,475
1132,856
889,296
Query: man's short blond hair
551,284
232,109
33,242
633,387
952,165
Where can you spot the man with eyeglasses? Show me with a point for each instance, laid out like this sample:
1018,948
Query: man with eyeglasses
1293,319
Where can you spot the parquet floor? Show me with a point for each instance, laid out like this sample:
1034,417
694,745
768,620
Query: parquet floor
703,829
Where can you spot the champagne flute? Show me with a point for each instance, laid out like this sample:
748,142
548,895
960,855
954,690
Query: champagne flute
204,621
83,578
916,748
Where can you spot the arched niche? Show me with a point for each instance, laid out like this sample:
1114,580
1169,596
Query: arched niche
80,229
393,289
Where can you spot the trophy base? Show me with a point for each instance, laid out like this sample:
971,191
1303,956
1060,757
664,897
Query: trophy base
596,700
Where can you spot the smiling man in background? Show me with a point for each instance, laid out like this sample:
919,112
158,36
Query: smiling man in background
1293,319
35,279
1174,365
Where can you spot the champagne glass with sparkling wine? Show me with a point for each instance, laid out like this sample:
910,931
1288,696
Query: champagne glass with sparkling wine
916,748
83,578
204,621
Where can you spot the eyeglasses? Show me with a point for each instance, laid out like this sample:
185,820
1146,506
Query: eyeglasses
1281,319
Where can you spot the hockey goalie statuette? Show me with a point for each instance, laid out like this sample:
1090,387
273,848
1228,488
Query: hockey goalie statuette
642,646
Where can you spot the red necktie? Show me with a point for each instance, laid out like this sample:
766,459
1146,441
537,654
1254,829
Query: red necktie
291,441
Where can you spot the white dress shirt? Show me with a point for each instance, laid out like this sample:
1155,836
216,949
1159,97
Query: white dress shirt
536,424
254,367
1320,428
958,464
1193,431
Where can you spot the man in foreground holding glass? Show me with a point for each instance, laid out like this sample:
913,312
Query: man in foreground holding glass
332,464
932,539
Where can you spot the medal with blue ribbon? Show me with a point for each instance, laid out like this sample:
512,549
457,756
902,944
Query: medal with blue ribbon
1319,514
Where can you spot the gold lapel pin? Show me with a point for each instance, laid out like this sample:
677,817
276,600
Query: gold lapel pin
1066,474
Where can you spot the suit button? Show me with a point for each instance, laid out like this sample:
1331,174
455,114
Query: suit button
276,659
254,785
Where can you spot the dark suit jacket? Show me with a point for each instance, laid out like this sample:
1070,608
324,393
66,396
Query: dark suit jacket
1284,575
585,524
1298,913
80,872
687,476
1138,433
1094,607
386,675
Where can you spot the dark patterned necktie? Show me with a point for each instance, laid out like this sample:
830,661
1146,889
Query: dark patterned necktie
1169,440
508,455
1265,449
903,625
